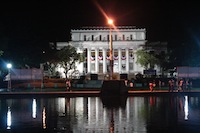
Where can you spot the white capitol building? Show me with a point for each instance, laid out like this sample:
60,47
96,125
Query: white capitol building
94,42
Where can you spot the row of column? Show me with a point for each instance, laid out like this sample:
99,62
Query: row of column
104,60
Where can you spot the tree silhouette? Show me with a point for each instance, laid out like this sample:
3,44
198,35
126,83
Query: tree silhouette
67,57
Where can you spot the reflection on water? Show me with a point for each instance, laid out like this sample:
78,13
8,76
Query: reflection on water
9,121
34,108
171,113
44,118
186,107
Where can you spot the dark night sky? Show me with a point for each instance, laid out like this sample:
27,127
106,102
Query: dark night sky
33,24
52,20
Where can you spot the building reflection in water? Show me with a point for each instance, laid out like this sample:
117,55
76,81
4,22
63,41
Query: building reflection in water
44,118
9,118
34,109
79,114
186,107
135,115
112,123
61,106
102,114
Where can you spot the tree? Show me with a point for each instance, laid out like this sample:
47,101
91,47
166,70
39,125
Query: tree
146,59
1,52
67,57
163,61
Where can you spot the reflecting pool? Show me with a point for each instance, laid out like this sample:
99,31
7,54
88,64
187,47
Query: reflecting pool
135,114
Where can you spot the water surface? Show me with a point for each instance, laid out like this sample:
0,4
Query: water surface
135,114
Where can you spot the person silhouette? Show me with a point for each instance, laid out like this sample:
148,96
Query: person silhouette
68,84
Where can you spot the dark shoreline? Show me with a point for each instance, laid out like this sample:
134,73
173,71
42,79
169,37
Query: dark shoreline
93,94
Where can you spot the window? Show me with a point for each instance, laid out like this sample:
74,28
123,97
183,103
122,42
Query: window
123,54
123,37
116,37
92,37
108,54
116,54
84,37
142,36
99,37
92,55
131,54
100,52
131,37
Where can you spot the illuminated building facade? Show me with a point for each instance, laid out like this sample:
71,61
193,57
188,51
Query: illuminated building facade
94,43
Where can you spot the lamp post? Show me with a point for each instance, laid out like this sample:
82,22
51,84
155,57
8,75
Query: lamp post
110,22
9,66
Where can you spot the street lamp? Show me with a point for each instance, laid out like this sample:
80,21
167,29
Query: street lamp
9,66
110,22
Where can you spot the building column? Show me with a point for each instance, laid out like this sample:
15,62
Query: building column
81,69
88,60
120,60
96,60
134,62
127,60
104,61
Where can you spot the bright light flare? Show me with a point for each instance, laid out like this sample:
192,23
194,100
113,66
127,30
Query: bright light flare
110,21
106,16
9,65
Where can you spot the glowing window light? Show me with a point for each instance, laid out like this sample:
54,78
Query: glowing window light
9,120
34,108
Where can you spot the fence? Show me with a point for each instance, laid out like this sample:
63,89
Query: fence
26,74
188,72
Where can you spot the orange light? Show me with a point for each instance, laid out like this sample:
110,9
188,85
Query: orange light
110,21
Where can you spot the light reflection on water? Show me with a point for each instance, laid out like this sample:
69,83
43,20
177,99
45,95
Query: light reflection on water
176,113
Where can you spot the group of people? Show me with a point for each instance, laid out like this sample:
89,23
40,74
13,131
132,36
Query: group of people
182,85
